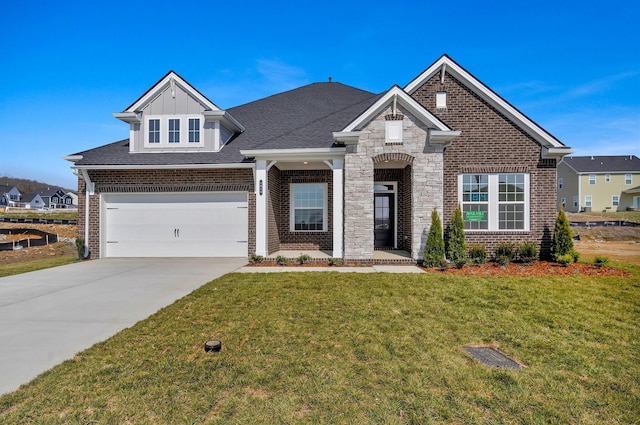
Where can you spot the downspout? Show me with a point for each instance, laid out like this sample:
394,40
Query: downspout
89,190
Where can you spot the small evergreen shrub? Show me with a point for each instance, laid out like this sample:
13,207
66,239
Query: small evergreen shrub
434,247
528,252
335,261
303,258
456,249
460,263
564,259
562,242
601,261
282,260
443,265
478,254
80,247
255,258
505,253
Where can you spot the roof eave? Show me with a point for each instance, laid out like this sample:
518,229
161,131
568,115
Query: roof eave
162,167
553,152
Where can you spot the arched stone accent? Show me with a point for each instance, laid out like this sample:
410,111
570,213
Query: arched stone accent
393,156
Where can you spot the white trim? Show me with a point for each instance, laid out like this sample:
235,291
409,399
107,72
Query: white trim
406,101
325,208
164,131
162,167
261,175
337,166
493,203
484,92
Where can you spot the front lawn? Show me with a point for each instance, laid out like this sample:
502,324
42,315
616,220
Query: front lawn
360,348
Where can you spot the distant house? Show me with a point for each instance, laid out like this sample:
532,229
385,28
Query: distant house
52,197
599,183
70,200
32,201
9,195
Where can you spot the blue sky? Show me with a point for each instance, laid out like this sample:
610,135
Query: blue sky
571,66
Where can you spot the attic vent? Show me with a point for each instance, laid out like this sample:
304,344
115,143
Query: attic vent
441,101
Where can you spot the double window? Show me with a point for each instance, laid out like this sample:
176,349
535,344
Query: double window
164,131
494,202
308,207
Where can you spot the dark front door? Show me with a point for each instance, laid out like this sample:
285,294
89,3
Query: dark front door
383,220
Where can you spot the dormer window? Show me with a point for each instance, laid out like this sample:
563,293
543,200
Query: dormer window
154,131
194,130
174,130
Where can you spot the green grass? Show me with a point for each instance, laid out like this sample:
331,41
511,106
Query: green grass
50,215
333,348
30,266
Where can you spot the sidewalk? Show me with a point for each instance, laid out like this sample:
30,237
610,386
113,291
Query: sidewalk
371,269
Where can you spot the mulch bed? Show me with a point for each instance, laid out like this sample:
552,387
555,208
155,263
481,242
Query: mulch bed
537,269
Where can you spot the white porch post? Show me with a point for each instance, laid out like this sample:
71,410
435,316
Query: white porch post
338,202
261,207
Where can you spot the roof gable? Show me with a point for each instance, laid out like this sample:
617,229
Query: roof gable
173,82
603,164
395,95
448,65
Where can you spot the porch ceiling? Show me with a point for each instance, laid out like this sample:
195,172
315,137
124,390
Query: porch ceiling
391,164
302,165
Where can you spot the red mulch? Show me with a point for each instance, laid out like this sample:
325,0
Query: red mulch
537,269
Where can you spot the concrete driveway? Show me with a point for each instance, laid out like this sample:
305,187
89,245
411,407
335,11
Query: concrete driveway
49,315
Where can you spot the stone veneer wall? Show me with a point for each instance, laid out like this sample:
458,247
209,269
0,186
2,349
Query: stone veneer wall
157,181
491,143
426,183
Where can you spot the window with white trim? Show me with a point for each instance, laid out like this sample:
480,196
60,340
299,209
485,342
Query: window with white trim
154,131
174,130
627,179
308,207
615,200
607,178
563,202
194,130
494,202
560,183
592,179
587,201
575,202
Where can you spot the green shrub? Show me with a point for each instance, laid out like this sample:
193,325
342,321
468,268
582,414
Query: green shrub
335,261
282,260
80,247
456,249
443,265
255,258
505,253
600,261
478,254
562,242
434,247
565,259
528,252
460,263
303,258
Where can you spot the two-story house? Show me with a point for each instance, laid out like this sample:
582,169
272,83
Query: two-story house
599,183
9,196
53,197
322,167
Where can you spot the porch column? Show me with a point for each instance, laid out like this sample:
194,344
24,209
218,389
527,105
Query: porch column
338,202
261,207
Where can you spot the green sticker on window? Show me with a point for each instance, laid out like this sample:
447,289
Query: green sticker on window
474,216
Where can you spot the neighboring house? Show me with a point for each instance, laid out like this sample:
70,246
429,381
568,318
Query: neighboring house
32,201
52,197
322,167
9,196
599,183
70,200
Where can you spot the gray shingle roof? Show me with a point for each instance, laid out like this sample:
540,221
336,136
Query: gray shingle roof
304,117
604,164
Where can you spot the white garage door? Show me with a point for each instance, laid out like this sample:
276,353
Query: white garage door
174,225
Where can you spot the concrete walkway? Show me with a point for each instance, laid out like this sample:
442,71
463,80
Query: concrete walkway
49,315
371,269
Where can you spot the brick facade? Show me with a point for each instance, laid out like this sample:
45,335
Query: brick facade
157,181
491,143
